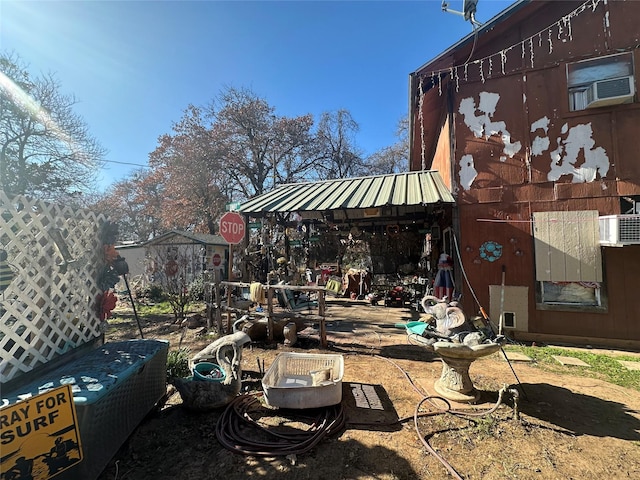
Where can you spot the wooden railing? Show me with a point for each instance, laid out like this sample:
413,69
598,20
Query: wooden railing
215,307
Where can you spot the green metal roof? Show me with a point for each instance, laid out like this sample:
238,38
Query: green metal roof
402,189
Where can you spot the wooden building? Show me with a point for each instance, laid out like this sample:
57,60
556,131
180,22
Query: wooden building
186,254
533,122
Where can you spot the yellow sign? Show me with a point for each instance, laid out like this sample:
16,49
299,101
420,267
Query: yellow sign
39,437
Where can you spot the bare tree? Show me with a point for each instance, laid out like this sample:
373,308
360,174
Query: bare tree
195,177
171,268
335,147
134,204
262,148
394,158
45,148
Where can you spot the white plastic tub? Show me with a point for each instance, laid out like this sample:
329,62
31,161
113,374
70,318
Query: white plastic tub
304,380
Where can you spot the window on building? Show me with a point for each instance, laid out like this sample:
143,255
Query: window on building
630,205
571,293
568,260
601,82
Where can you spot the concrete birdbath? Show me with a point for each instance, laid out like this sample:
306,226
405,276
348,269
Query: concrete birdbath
455,383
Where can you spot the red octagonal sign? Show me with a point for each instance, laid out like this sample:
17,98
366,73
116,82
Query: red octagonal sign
232,227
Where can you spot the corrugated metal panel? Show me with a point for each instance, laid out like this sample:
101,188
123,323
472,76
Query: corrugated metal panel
411,188
400,191
374,197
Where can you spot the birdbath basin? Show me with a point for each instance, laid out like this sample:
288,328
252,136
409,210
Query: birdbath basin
454,382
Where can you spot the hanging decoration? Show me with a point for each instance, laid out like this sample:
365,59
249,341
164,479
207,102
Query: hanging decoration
562,30
490,251
455,74
503,60
422,146
443,285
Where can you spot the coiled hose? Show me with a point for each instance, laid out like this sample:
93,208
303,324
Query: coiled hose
237,431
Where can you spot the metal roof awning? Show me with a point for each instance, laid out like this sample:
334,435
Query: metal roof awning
421,188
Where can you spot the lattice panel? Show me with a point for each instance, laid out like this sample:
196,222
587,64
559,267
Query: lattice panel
48,302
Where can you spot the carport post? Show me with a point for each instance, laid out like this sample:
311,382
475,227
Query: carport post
323,327
229,274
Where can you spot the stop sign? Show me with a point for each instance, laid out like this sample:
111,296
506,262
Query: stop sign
217,259
232,227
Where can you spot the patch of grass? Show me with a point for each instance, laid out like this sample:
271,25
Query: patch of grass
161,308
116,320
485,427
178,363
603,367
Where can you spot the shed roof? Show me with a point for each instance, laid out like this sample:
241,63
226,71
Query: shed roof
174,236
402,189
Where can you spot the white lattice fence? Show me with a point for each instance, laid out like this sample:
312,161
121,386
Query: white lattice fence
49,297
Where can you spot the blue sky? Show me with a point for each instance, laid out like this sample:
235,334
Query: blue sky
134,66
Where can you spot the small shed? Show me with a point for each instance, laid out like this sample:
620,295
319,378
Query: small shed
135,255
192,253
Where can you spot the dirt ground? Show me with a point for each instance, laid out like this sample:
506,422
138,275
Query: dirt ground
557,426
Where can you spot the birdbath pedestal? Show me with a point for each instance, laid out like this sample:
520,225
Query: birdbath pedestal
455,383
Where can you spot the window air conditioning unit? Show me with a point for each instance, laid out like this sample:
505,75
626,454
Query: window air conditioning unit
610,92
619,230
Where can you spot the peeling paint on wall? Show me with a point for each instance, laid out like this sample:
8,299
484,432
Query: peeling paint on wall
580,138
574,140
565,156
468,173
540,144
483,126
543,123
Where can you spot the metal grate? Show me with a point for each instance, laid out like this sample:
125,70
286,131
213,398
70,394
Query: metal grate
629,229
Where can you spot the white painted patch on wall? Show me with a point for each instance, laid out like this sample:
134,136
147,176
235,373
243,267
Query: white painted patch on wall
468,109
540,144
572,141
468,173
488,102
579,138
510,148
483,125
542,123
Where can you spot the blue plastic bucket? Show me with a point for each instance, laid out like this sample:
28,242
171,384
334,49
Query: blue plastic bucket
210,372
